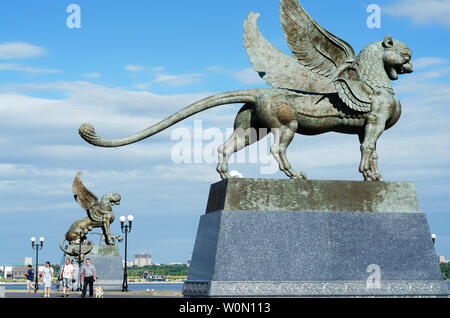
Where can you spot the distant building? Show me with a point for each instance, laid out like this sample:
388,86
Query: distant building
442,260
129,263
142,260
17,271
7,271
28,261
175,263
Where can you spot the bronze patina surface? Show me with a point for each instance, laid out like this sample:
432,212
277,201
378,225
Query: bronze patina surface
323,87
312,196
99,215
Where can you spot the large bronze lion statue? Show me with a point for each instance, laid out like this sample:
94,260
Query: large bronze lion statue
323,88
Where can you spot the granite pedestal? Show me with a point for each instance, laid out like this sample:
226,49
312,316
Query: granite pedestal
295,238
108,265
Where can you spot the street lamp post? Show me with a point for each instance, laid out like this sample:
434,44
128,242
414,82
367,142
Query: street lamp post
79,260
125,229
37,246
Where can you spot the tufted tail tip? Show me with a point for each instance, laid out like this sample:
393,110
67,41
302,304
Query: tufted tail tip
87,132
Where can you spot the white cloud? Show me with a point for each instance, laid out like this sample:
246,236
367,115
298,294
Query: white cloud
26,68
143,86
421,12
134,68
112,110
215,68
424,62
156,69
249,76
177,80
139,68
20,50
92,75
172,80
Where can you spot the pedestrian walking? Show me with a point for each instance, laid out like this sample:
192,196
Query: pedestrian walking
30,277
65,276
47,278
88,277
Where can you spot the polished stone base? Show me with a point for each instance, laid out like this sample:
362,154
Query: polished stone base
108,265
419,289
280,252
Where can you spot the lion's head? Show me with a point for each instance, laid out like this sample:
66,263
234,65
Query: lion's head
381,62
112,198
396,58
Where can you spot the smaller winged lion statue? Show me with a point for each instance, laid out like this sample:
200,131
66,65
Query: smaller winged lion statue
99,215
323,87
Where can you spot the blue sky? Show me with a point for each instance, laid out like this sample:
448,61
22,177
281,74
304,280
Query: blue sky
133,63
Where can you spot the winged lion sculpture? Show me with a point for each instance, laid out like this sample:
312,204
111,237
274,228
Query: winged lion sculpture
99,215
323,87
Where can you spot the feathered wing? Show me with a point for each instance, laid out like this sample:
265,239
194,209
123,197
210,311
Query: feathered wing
276,68
312,45
325,54
352,90
85,198
320,58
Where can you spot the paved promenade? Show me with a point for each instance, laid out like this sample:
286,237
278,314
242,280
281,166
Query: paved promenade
107,294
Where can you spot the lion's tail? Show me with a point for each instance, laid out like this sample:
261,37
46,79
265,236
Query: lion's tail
87,131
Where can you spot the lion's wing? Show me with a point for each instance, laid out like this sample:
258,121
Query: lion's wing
353,90
325,54
314,47
276,68
85,198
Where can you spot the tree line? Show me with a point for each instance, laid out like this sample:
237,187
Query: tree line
160,270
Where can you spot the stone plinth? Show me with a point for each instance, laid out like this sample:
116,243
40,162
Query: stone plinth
294,238
108,264
312,196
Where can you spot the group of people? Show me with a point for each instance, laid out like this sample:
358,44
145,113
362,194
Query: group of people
66,276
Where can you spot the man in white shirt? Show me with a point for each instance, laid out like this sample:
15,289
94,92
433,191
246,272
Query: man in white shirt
66,275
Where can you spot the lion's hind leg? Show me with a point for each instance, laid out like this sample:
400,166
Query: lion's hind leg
283,136
245,133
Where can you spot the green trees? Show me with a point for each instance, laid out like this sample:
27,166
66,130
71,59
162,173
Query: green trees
163,270
445,269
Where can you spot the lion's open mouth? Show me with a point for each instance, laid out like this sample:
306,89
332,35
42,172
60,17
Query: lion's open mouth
406,68
393,72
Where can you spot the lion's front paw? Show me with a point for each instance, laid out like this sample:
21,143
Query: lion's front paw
369,175
369,167
299,176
